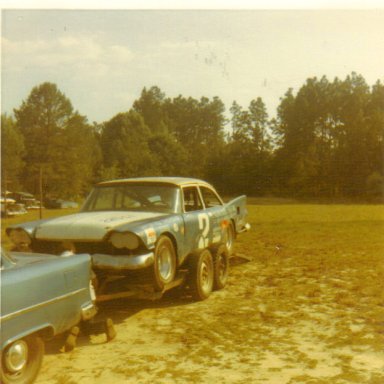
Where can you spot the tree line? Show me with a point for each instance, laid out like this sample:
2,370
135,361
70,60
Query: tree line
326,141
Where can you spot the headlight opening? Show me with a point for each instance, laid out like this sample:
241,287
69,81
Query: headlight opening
20,237
124,240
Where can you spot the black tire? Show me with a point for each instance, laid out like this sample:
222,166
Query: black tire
17,372
164,267
229,238
200,275
221,267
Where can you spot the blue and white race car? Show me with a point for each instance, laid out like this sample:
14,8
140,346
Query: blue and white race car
157,225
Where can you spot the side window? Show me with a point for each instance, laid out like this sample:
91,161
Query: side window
210,198
192,200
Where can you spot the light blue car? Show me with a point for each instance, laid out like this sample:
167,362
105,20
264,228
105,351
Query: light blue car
151,226
41,296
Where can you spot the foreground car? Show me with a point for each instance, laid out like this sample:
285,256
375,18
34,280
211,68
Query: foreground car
155,225
42,296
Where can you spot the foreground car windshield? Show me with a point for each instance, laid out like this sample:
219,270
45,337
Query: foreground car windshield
133,197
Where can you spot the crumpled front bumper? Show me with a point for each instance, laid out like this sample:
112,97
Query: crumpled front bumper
88,311
122,262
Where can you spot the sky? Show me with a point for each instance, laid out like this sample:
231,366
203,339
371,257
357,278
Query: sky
102,59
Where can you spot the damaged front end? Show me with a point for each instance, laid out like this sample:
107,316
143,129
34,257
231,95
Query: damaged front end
118,252
122,263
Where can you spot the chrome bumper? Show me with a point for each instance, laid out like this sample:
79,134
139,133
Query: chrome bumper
246,228
88,311
122,262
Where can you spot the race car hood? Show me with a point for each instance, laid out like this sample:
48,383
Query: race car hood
89,225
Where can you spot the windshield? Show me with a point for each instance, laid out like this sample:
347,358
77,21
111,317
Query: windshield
6,259
134,197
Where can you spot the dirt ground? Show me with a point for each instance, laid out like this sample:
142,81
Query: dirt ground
308,308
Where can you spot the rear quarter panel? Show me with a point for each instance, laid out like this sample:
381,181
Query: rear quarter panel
43,294
237,211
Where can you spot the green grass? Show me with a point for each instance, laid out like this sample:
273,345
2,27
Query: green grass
338,233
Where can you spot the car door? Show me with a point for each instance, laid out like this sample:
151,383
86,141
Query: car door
216,212
196,220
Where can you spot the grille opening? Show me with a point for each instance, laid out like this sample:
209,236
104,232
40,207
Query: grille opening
56,248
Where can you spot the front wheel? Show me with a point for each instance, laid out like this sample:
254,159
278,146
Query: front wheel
21,361
165,263
200,279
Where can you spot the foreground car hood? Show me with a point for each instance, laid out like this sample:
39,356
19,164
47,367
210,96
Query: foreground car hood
88,225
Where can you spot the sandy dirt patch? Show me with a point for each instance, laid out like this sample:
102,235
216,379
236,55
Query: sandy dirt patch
275,322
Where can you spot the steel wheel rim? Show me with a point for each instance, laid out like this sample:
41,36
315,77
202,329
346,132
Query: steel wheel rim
16,357
221,267
229,240
165,263
206,276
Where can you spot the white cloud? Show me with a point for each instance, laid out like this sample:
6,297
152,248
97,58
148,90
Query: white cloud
66,51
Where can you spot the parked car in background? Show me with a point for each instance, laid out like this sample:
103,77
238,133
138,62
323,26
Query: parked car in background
29,201
41,296
10,208
153,226
60,204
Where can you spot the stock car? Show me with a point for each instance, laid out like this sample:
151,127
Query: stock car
41,296
151,225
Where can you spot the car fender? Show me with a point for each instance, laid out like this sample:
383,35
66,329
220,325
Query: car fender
46,331
150,230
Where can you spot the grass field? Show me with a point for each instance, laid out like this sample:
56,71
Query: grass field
308,308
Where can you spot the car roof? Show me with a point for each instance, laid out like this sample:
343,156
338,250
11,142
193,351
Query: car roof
178,181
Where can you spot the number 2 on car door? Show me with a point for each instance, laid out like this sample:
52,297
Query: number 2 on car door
204,228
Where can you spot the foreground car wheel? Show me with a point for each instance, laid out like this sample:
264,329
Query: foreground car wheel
201,275
21,361
221,267
165,262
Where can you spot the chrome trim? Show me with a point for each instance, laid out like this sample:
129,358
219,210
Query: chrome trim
40,305
122,262
16,356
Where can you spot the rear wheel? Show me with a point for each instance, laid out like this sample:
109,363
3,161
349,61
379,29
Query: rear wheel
221,267
201,274
21,361
165,263
229,238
